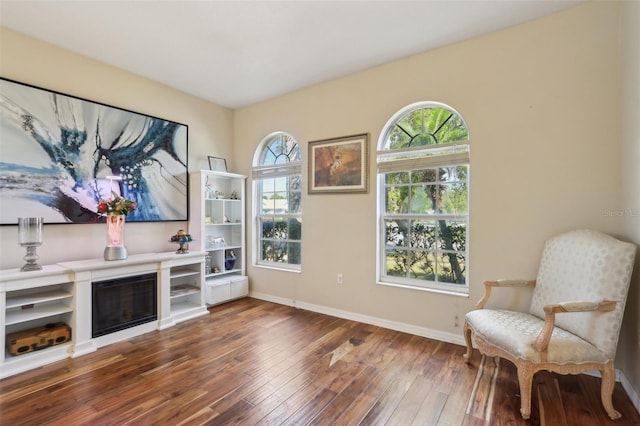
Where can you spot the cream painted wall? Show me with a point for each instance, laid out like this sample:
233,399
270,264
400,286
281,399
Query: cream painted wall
629,347
210,132
542,101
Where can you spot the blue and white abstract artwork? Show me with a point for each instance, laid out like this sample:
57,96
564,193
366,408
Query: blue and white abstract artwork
59,155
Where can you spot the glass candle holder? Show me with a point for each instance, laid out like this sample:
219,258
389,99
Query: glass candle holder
30,236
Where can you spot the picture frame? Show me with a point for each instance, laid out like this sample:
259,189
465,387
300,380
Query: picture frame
217,164
339,165
62,154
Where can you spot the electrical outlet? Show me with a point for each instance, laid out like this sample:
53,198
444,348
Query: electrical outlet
455,321
340,278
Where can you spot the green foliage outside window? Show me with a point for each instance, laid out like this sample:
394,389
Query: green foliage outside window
432,250
281,240
427,126
279,217
425,211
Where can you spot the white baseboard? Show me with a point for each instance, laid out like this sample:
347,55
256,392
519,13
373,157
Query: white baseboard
413,329
633,395
620,377
380,322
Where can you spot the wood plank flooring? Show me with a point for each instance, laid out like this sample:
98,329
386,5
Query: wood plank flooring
252,362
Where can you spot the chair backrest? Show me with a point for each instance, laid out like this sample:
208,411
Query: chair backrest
587,266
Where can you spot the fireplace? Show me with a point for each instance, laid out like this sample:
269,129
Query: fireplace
122,303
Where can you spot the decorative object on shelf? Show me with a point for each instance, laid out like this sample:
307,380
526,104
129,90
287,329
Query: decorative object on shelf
208,192
216,270
234,195
225,219
218,164
229,260
215,242
115,249
117,205
115,209
207,263
219,195
30,236
83,142
182,238
339,165
34,339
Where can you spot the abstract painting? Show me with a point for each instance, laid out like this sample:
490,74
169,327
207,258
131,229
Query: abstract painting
339,164
60,155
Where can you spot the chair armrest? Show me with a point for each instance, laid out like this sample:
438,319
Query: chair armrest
558,308
488,285
542,341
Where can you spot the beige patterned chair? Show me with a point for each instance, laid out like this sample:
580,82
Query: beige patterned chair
574,319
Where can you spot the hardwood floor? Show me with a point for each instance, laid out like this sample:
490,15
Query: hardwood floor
254,362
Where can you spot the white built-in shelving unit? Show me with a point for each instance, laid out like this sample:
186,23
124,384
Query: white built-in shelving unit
62,293
30,300
218,225
185,289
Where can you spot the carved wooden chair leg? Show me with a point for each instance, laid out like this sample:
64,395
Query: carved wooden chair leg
467,338
525,379
606,390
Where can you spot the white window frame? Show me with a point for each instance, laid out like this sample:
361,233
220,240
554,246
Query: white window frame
416,158
260,172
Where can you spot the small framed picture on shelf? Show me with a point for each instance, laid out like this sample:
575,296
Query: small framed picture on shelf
217,164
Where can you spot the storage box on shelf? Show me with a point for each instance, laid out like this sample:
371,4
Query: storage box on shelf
218,226
29,301
225,288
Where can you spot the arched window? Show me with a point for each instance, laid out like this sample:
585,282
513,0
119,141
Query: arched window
277,180
423,197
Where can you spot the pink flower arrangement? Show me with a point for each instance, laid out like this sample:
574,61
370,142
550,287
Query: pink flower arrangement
116,205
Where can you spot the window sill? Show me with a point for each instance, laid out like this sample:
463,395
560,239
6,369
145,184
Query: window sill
296,270
462,293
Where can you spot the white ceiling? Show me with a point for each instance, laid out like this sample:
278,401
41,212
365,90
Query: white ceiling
236,53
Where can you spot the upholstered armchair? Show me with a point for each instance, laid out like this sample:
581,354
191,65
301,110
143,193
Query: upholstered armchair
575,315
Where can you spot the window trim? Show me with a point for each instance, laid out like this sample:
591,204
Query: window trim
259,173
274,265
388,160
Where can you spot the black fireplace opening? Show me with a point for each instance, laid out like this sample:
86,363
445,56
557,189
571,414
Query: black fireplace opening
123,303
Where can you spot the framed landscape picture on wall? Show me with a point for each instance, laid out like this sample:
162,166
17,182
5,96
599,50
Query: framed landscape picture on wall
61,154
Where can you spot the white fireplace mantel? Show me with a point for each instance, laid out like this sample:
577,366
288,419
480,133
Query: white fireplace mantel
63,292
